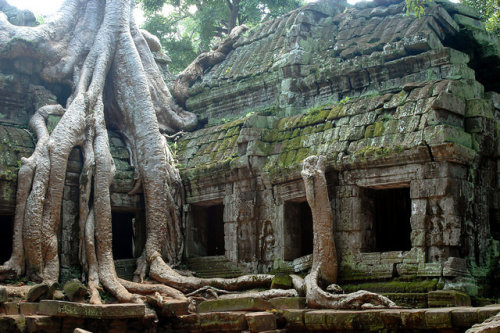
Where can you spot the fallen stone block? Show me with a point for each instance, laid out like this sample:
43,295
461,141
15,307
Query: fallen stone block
447,298
78,310
260,321
174,308
75,290
281,282
36,292
288,302
235,304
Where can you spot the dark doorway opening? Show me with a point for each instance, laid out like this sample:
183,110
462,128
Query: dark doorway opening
298,230
123,235
7,227
391,219
208,230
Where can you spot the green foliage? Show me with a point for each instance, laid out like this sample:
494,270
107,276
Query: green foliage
489,10
416,7
490,13
195,26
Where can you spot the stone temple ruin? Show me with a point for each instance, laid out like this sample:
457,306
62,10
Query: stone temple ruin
407,112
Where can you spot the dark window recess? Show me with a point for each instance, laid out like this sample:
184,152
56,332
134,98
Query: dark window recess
495,223
391,219
7,227
208,230
298,230
123,235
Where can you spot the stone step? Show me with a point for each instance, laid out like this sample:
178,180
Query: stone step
81,310
452,319
234,304
213,267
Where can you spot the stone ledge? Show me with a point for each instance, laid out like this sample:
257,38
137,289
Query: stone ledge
235,304
107,311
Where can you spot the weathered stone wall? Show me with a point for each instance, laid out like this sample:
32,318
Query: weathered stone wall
392,102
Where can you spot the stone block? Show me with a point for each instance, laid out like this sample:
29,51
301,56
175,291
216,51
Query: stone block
464,317
222,321
413,319
12,324
174,308
288,302
316,320
3,295
79,310
260,321
438,318
392,319
448,298
36,323
281,281
487,311
295,319
370,321
449,102
188,323
235,304
10,308
28,308
454,267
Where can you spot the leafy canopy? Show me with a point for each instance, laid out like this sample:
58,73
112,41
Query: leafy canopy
489,10
189,27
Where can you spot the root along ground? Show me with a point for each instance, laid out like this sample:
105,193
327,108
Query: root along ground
95,47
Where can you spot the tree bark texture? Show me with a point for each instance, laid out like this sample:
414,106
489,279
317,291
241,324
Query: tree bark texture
95,47
325,265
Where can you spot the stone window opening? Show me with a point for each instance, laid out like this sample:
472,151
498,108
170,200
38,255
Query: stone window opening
124,233
388,219
298,229
208,230
7,226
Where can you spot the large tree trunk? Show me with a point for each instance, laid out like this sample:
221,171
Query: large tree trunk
95,46
324,266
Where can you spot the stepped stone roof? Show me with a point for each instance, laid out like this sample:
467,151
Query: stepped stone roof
368,84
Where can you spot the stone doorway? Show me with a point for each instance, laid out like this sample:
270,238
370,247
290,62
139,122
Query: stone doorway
208,230
123,235
390,219
7,227
298,230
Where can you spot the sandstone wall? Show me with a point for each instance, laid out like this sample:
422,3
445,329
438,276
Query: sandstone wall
391,100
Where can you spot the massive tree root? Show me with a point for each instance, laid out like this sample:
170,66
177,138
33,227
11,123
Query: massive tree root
324,267
95,46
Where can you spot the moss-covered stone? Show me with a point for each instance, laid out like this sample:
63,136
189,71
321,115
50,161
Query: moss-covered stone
281,282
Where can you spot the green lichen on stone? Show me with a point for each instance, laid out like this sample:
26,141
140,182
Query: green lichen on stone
281,281
397,286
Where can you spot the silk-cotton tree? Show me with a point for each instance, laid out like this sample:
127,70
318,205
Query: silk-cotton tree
95,47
